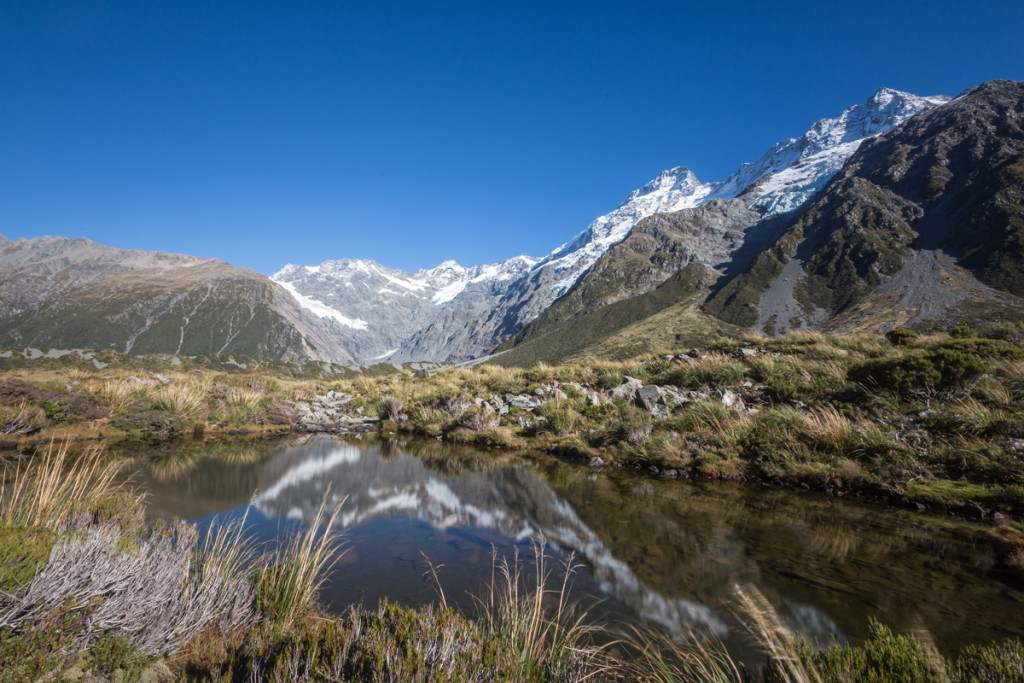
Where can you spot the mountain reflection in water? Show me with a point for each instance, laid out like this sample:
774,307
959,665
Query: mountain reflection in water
667,552
513,501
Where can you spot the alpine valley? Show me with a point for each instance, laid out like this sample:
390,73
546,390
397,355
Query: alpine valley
901,211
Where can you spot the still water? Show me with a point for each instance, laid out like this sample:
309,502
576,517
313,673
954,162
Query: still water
659,552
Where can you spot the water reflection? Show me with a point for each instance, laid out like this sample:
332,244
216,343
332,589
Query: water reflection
667,552
513,501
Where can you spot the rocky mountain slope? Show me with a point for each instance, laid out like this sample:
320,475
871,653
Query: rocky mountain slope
74,293
653,267
484,306
923,226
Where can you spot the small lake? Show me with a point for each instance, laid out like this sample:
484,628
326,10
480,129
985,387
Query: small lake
652,551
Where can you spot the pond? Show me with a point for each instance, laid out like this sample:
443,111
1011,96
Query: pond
663,552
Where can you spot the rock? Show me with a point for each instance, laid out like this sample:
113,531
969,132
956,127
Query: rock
627,389
596,462
163,379
594,399
729,399
522,401
748,352
648,397
560,395
672,397
972,510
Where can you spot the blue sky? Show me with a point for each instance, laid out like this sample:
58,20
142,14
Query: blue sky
266,133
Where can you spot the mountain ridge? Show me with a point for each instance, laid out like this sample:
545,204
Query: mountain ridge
75,293
470,324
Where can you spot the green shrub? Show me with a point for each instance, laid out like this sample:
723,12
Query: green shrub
985,348
948,370
901,336
113,654
884,656
996,662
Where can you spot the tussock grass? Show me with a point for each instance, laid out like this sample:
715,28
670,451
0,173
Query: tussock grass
49,489
188,401
777,641
547,633
120,394
289,583
695,658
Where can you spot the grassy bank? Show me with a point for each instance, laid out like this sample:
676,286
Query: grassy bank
933,421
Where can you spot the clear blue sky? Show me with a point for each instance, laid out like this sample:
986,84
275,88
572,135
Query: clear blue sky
265,133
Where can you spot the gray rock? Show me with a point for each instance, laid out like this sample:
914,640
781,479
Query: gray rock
627,389
648,397
729,399
596,462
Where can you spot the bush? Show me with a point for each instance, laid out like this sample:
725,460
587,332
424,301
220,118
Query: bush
946,370
884,656
997,662
901,336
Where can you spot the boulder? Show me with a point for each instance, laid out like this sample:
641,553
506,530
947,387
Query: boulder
648,397
627,389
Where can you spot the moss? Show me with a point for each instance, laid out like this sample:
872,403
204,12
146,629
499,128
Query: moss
23,552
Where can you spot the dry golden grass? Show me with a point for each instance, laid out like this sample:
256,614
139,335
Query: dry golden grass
775,639
188,400
47,490
288,585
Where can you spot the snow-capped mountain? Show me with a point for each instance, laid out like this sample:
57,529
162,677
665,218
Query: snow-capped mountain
376,311
455,313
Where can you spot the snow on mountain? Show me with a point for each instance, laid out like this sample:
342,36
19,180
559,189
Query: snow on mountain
454,313
791,171
375,310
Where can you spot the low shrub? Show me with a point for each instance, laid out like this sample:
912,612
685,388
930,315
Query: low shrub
884,656
901,336
944,370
